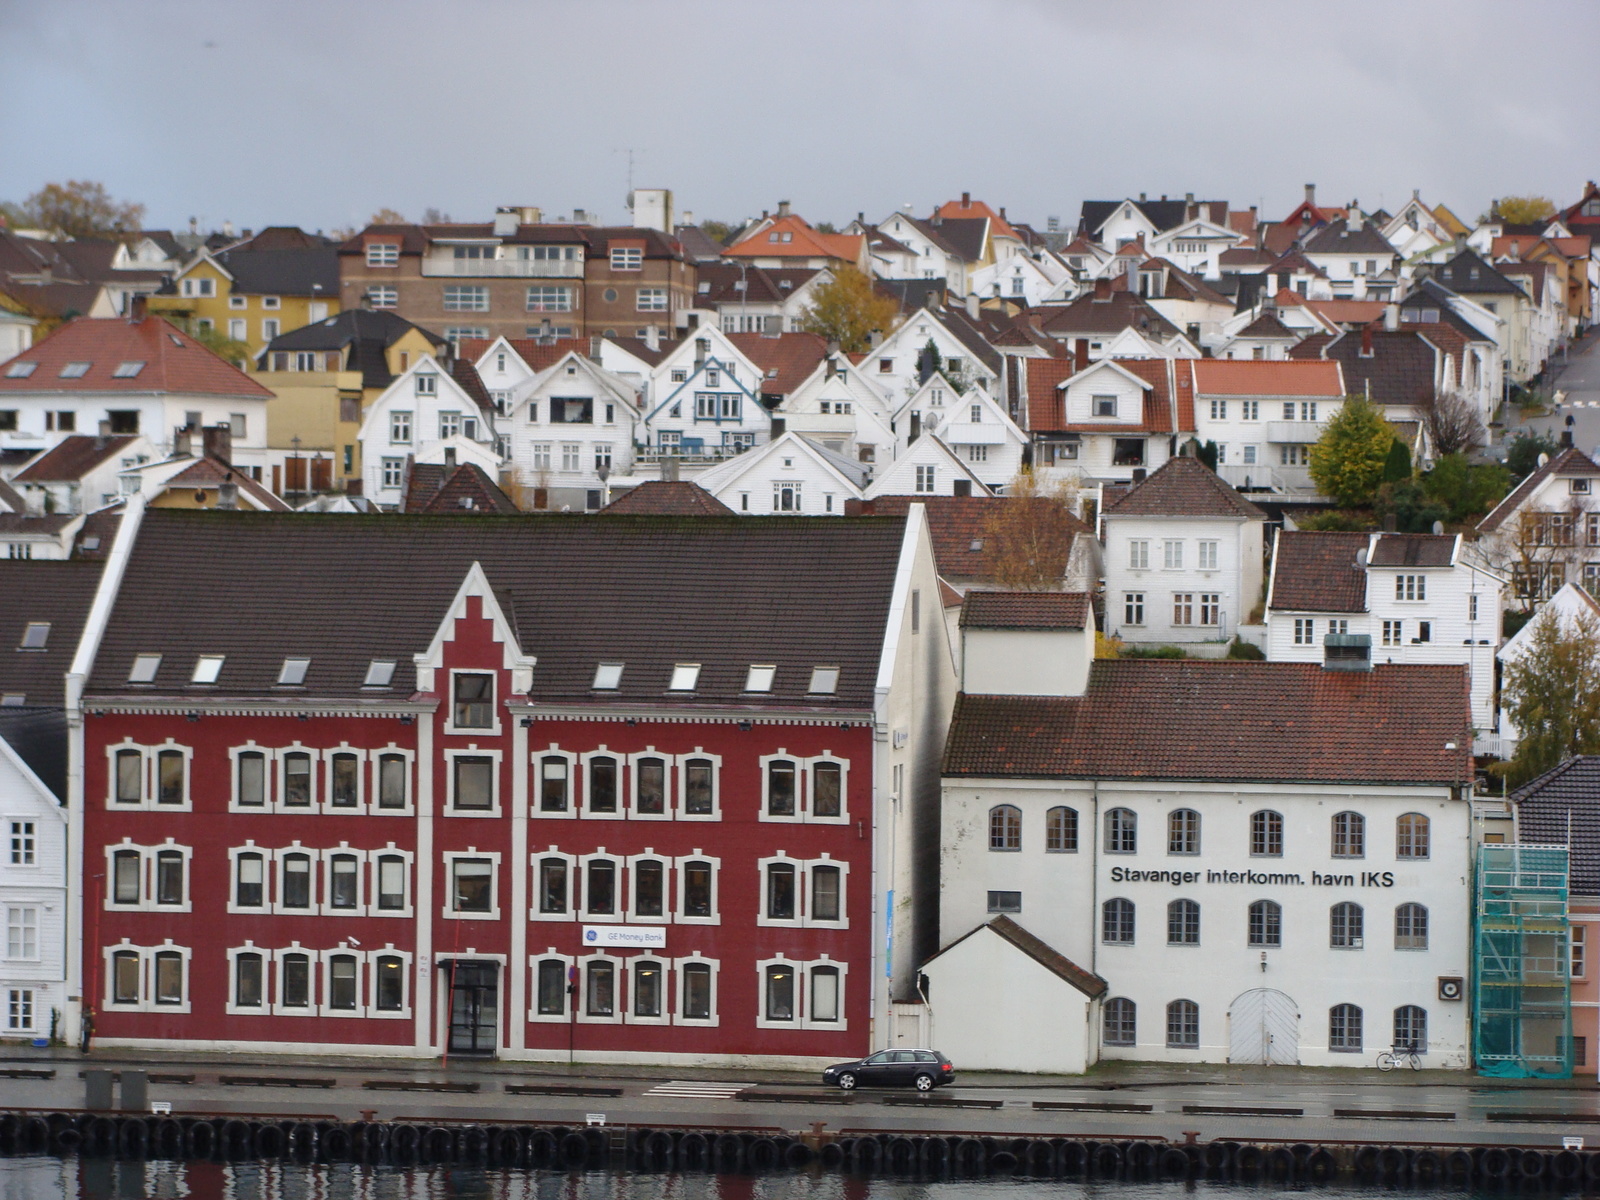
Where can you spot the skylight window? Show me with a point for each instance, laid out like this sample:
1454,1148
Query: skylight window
35,635
294,670
824,681
145,667
13,699
608,677
206,668
176,340
759,678
75,370
127,370
684,677
380,673
21,370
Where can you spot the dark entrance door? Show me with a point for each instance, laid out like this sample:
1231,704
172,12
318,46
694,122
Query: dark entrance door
474,1007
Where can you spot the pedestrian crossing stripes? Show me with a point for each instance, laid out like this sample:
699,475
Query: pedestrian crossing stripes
697,1090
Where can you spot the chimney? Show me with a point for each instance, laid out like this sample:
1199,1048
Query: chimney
1141,197
779,426
228,494
1391,522
449,456
1139,474
1391,317
217,442
1354,222
1080,354
875,338
1347,652
138,306
595,342
972,305
1366,340
1188,197
783,208
506,222
182,443
1102,288
966,199
652,337
702,347
961,487
669,469
1311,194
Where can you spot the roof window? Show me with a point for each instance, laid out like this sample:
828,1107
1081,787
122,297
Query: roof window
759,678
35,635
293,673
380,673
145,667
206,668
75,370
13,699
21,370
176,340
824,681
127,370
684,677
608,677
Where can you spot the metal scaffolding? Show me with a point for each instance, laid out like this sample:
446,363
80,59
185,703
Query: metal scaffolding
1521,976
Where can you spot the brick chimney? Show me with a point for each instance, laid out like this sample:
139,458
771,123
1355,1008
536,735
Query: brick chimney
216,442
966,199
1080,354
1102,288
1366,341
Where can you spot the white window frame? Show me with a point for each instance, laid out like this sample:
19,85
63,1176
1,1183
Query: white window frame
279,861
148,863
311,1008
150,778
630,910
682,791
1172,554
766,761
809,920
763,865
325,870
232,1007
147,978
670,770
280,779
1208,555
569,913
802,969
383,254
407,975
22,841
619,895
668,971
1139,554
491,730
679,877
268,878
360,754
408,860
619,988
24,905
449,858
536,780
567,997
621,759
322,995
678,965
450,755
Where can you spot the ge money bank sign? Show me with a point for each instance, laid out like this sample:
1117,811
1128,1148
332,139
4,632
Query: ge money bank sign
626,937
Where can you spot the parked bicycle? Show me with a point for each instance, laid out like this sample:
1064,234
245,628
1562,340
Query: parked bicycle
1399,1056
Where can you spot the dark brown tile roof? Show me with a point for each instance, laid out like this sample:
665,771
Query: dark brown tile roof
1105,316
1414,550
721,591
785,361
1025,610
173,361
1183,487
1570,462
1224,720
959,527
1562,808
463,489
1047,956
73,457
1399,369
209,473
42,590
1317,572
667,498
1267,325
466,375
25,525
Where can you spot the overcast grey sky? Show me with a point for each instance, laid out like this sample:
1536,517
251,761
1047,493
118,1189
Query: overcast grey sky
318,112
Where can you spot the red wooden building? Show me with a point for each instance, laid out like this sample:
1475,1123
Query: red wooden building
624,788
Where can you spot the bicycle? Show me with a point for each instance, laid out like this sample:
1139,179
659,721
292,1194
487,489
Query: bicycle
1388,1060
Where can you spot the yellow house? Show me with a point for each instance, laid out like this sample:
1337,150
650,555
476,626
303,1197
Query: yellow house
278,281
324,376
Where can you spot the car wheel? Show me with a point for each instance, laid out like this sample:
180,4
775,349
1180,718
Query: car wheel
924,1083
847,1082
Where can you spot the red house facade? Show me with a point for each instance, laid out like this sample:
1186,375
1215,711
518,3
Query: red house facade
620,789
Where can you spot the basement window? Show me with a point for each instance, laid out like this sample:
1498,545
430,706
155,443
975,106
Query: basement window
684,677
759,678
824,681
608,677
145,667
35,635
207,668
380,674
293,673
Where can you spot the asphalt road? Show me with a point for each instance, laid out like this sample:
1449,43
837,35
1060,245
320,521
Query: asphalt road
1579,380
1441,1108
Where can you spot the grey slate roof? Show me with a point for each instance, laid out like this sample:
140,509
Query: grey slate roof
313,272
1338,238
58,592
1562,808
1470,275
1183,487
344,589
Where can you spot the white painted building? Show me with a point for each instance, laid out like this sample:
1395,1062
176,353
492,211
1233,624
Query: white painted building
1265,416
789,476
928,467
702,401
33,895
895,367
567,430
840,407
1417,598
1264,862
417,415
1111,421
970,422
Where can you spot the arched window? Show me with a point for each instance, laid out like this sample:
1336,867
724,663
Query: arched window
1061,830
1183,923
1349,835
1344,1028
1410,927
1183,831
1116,922
1122,831
1345,926
1266,923
1118,1025
1183,1025
1266,834
1005,827
1411,1029
1411,836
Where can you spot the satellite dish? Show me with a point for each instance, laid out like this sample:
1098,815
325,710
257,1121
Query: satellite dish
1543,458
1361,559
1438,528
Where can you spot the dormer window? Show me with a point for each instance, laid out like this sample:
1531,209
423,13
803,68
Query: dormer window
824,681
1105,406
608,677
380,673
759,678
293,672
35,635
684,677
207,668
144,668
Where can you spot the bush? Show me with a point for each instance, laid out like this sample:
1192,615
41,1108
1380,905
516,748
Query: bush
1413,509
1334,520
1246,651
1523,451
1153,652
1466,491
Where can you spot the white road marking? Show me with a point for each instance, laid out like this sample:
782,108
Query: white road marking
697,1090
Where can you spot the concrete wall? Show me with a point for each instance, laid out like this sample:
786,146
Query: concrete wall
1026,662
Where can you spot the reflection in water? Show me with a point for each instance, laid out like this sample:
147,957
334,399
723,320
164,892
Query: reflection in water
103,1179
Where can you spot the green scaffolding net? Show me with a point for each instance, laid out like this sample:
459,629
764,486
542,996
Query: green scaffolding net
1521,976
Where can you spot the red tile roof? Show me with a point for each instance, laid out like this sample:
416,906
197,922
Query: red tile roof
667,498
538,355
959,527
1317,572
1241,377
70,459
966,207
1414,550
1183,487
1168,404
805,242
1223,720
1025,610
465,488
786,361
173,361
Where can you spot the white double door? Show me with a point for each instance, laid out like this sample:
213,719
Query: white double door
1264,1028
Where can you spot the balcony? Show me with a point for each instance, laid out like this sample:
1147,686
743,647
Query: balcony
501,268
1295,431
703,457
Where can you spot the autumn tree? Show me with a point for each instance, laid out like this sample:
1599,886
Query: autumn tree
1348,459
1028,535
1524,210
386,216
1551,692
1451,423
846,310
717,231
79,208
